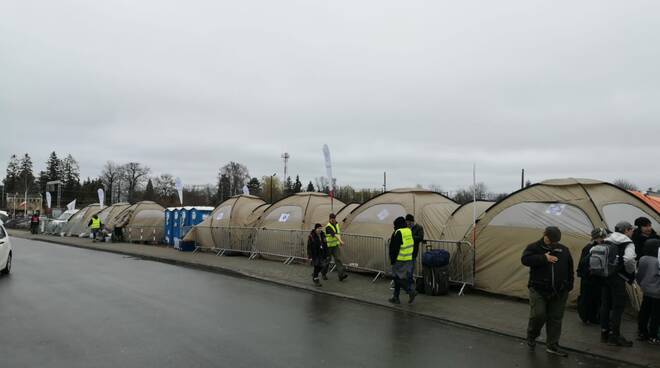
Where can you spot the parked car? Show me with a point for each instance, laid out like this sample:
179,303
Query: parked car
5,251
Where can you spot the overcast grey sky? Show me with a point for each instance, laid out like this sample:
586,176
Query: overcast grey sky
420,89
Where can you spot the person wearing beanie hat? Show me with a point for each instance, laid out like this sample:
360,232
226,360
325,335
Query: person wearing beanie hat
401,248
550,280
589,299
643,232
613,287
334,241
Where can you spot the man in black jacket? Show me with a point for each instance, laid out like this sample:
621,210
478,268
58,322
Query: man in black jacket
550,280
589,299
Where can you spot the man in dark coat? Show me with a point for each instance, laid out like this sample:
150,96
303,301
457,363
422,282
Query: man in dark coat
643,232
317,252
589,299
550,280
418,237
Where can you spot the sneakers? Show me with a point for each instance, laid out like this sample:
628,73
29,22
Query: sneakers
615,340
555,351
531,343
317,283
654,341
325,277
411,296
343,277
394,300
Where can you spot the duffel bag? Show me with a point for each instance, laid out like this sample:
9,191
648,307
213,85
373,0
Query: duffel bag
435,258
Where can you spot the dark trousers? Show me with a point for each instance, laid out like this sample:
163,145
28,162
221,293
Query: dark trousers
401,284
613,302
548,311
649,312
589,301
335,253
34,227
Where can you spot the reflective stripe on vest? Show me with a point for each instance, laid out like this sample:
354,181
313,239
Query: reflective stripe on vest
406,250
96,223
330,239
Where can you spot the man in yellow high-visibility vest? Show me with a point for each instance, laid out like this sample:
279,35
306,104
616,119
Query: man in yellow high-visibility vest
401,257
333,238
95,224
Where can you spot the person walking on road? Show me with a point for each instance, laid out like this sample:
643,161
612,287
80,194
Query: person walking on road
95,224
401,258
550,280
614,286
317,252
589,299
648,278
334,241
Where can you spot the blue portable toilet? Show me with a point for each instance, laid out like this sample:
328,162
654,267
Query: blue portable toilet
170,221
191,216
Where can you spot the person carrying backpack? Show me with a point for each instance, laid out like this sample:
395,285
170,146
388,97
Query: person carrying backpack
648,278
614,262
550,280
589,299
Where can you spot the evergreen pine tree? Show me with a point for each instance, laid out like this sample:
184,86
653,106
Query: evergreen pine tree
297,186
310,187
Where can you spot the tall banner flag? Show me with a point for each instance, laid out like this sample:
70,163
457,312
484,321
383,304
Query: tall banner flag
246,190
179,189
101,194
48,199
71,205
328,171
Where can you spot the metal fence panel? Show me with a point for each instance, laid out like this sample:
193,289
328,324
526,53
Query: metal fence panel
363,252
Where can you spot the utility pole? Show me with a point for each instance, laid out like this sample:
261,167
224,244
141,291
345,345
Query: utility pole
285,156
384,181
522,179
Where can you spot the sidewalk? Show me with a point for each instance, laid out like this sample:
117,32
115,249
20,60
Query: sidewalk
498,315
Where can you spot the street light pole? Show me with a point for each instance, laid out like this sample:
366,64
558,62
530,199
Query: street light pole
271,187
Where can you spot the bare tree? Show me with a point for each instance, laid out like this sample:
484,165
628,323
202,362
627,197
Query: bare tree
625,184
165,186
479,191
135,174
237,175
110,176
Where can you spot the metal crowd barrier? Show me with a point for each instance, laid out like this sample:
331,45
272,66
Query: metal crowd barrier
361,252
365,253
461,261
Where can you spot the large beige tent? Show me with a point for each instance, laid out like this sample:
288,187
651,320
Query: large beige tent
460,222
234,212
107,214
576,206
299,212
345,211
375,217
143,221
78,223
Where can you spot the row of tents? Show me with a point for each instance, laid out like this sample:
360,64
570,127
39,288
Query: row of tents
502,230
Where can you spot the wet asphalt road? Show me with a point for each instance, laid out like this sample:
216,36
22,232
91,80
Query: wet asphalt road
69,307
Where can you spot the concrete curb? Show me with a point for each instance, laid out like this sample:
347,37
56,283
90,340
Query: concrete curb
246,275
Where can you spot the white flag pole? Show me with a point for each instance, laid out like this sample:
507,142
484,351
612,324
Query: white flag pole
474,203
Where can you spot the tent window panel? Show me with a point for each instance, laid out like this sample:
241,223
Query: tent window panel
625,212
222,213
380,214
285,214
532,215
149,214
